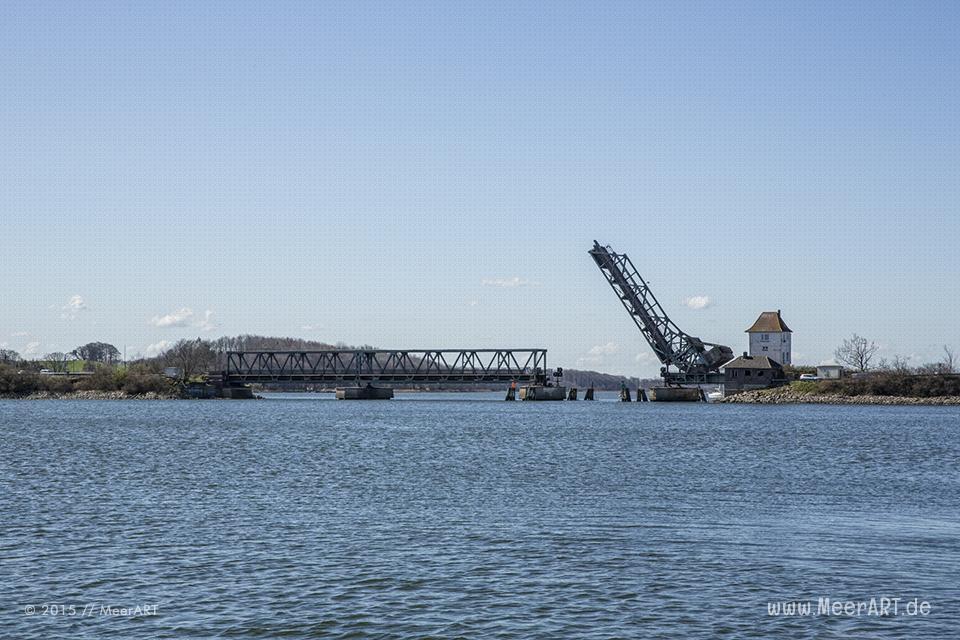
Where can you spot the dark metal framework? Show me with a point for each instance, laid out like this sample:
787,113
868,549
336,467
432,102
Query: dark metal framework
696,361
407,365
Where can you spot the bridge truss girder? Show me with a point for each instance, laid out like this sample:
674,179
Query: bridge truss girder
384,365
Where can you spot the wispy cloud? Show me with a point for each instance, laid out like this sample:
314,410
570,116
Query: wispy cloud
185,317
206,323
74,306
604,349
180,318
157,348
645,357
508,283
312,327
31,348
698,302
19,334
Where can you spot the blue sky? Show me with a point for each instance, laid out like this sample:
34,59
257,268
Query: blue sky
433,174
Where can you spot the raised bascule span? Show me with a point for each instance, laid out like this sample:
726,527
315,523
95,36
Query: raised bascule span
685,358
389,366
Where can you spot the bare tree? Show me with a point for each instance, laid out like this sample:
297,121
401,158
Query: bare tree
9,355
191,357
57,361
900,365
856,352
949,360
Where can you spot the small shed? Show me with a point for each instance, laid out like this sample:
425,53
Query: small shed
751,372
829,371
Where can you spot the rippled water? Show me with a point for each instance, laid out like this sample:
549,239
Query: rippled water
459,517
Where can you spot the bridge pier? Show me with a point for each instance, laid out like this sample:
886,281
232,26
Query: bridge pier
540,392
675,394
364,393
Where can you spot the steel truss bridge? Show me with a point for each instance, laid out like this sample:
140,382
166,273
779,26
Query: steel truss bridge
402,365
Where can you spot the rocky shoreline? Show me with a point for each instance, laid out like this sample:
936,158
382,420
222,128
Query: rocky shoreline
89,395
785,395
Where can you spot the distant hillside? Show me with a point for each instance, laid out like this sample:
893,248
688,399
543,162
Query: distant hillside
586,379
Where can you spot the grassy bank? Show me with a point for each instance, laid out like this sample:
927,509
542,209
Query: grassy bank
877,388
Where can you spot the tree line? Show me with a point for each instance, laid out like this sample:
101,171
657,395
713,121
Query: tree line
859,354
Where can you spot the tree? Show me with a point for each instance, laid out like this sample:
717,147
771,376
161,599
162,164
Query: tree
57,361
97,352
856,352
190,356
9,355
949,360
901,365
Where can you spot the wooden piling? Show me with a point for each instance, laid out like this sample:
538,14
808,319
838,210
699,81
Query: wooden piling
572,394
589,394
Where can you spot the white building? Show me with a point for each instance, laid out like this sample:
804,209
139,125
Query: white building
770,336
829,371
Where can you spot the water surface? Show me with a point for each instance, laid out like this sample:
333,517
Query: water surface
464,516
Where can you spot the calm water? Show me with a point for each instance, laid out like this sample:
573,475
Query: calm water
473,518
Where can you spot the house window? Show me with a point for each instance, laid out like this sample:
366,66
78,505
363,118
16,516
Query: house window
765,337
764,348
733,374
747,372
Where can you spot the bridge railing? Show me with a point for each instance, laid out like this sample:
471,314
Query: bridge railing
426,365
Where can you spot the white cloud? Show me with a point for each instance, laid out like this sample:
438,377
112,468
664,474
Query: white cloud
312,327
157,348
185,317
698,302
206,323
74,305
472,303
645,357
19,334
515,281
31,348
179,318
604,349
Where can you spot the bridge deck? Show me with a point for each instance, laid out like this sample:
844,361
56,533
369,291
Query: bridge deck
402,365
